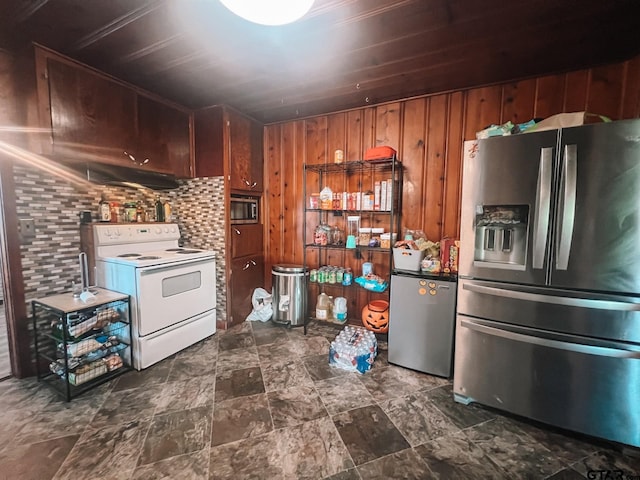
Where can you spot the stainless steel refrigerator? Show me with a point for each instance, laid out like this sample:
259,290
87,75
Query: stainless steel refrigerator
548,316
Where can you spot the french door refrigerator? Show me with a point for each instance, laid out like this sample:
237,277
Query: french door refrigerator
548,313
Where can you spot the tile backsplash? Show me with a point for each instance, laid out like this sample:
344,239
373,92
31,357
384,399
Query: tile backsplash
50,258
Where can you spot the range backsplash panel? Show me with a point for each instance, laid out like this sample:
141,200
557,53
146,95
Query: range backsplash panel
50,257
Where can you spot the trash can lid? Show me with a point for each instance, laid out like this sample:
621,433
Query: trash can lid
288,268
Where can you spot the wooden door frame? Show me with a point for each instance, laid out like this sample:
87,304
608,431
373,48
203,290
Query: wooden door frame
14,302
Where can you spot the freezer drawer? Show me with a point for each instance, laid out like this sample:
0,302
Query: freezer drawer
569,381
421,324
615,317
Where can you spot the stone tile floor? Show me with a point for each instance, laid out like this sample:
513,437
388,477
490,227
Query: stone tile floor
260,401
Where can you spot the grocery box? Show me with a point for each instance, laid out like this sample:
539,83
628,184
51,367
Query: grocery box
407,259
449,249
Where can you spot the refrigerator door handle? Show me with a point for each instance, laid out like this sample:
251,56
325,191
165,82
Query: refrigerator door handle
567,217
554,299
543,204
551,343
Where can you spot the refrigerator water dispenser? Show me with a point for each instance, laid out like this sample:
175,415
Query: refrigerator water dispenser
501,236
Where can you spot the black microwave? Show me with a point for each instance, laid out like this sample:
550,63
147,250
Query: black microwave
245,209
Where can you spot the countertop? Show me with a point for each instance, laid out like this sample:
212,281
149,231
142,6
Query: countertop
66,302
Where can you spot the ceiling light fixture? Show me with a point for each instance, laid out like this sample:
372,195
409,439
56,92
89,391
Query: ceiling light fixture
269,12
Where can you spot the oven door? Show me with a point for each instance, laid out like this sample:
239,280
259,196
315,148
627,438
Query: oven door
169,294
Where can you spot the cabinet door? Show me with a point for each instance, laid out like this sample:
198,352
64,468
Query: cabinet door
209,142
163,137
245,153
92,117
246,240
247,274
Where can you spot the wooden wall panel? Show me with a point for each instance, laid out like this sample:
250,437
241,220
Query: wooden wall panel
549,96
412,154
453,171
434,168
483,107
388,124
291,175
576,90
518,101
630,106
605,90
354,136
272,208
428,133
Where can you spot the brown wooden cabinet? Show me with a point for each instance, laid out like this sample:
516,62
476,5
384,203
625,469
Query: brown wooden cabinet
230,144
246,240
87,125
247,269
247,274
163,137
246,160
95,118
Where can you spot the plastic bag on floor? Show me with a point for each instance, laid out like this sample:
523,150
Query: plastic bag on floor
262,308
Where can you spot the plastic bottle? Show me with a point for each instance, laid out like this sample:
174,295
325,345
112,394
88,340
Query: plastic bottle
340,308
322,307
167,212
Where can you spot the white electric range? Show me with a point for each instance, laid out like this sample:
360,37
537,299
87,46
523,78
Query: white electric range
172,289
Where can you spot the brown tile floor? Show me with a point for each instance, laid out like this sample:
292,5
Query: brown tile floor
261,401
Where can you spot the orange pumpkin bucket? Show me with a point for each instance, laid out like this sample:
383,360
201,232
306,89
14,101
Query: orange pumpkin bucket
375,316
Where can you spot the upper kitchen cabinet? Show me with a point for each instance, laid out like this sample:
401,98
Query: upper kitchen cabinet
92,117
230,144
245,153
89,116
163,137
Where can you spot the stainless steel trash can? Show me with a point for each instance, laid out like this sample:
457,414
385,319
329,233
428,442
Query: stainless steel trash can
289,294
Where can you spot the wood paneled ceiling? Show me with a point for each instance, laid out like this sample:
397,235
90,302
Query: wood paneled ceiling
343,54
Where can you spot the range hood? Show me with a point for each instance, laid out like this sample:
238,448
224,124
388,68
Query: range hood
129,177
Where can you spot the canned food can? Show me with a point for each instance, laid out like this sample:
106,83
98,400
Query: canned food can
313,275
322,277
339,275
347,278
332,276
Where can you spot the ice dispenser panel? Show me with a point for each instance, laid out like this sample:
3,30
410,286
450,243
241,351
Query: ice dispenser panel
501,236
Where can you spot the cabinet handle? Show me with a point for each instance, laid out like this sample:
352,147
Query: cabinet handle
248,264
249,184
236,230
133,159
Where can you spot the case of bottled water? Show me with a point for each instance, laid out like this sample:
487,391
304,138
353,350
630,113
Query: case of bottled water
354,349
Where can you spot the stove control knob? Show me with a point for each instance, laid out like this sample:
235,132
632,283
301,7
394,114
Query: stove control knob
173,229
166,230
117,232
107,232
158,230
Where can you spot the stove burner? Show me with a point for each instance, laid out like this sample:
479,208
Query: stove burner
148,257
126,255
188,251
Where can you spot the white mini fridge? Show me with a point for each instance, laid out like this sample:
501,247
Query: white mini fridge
422,322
